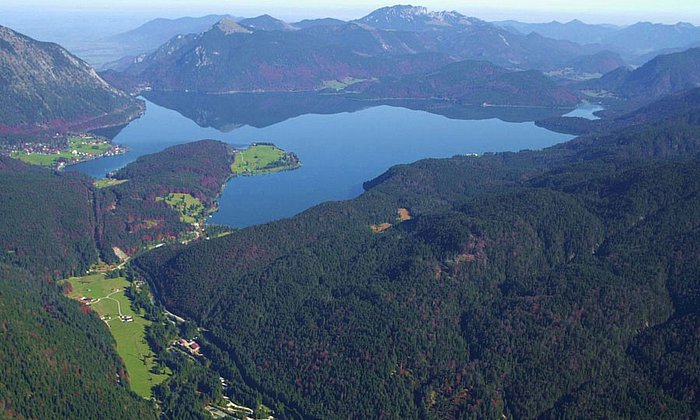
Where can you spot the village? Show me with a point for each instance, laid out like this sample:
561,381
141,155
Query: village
77,149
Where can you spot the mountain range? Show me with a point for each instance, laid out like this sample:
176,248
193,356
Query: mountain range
44,90
477,83
634,42
252,55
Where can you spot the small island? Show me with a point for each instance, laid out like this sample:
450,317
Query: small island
76,149
263,158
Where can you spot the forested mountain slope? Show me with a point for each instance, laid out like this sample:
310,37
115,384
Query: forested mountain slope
533,284
48,222
45,90
477,83
56,360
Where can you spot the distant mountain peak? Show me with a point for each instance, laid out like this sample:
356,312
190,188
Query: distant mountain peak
266,23
411,18
229,26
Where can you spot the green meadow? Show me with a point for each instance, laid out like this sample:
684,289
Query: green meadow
109,300
190,207
260,159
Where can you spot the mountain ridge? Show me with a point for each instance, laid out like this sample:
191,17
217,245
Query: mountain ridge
46,90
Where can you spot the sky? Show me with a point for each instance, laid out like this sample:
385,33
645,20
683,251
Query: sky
592,11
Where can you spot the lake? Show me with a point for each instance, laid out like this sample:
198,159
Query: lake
339,151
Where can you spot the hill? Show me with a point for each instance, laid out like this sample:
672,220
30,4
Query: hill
623,90
156,32
663,75
683,103
310,23
266,23
601,63
79,222
477,83
644,37
139,212
45,90
518,284
575,30
53,239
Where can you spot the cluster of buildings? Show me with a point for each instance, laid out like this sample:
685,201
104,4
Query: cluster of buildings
39,148
189,346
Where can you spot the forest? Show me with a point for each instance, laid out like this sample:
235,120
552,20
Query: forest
130,215
550,284
57,358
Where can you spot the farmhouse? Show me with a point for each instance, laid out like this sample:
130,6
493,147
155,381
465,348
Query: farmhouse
190,346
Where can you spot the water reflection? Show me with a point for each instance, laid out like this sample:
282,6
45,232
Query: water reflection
230,111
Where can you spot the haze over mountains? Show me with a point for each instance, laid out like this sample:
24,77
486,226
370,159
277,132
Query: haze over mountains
632,41
404,40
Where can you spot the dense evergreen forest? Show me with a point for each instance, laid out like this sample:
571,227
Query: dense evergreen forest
130,214
56,360
57,224
48,224
555,283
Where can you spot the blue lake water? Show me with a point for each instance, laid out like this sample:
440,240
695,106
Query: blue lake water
338,152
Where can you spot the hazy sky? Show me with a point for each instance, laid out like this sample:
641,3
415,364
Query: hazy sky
594,11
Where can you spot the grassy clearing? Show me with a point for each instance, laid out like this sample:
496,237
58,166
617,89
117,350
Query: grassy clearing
381,228
36,158
108,182
338,85
404,215
109,299
190,207
261,159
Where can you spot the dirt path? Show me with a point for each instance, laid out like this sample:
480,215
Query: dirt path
109,296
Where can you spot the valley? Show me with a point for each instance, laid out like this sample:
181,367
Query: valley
108,298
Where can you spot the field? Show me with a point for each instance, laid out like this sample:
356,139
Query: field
109,302
262,158
79,148
108,182
36,158
191,208
340,84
